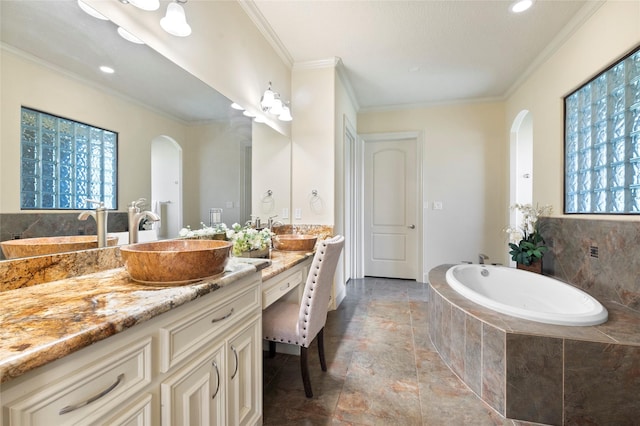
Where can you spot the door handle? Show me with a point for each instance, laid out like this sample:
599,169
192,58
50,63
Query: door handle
411,226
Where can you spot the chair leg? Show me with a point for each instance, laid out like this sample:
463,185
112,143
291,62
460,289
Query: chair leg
304,368
272,349
323,362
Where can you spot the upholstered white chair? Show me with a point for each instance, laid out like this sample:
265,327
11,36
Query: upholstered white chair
299,323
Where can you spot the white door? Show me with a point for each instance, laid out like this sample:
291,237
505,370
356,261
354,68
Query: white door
390,214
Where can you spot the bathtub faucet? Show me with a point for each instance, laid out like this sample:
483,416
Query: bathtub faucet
481,258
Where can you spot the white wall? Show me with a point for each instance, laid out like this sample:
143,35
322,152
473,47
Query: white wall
26,83
313,136
612,31
345,115
464,167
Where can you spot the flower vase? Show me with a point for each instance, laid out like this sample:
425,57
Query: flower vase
536,266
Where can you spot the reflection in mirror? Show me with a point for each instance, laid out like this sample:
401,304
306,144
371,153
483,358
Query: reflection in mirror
271,171
51,52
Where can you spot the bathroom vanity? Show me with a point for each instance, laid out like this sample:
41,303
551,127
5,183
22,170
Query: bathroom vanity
99,348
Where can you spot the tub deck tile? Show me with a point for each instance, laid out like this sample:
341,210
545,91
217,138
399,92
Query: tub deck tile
534,378
602,383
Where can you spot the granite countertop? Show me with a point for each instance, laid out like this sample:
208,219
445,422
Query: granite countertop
283,260
51,320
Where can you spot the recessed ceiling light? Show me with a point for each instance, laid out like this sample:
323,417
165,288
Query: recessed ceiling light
107,70
521,5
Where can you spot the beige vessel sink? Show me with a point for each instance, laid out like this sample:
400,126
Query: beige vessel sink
24,247
175,262
294,242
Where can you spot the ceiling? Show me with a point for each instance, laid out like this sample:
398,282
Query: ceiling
394,53
57,33
408,53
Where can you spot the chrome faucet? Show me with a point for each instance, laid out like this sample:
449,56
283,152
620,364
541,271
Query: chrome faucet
271,223
100,216
136,216
481,258
255,224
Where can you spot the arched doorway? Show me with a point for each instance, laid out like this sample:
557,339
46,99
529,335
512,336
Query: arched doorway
521,164
166,185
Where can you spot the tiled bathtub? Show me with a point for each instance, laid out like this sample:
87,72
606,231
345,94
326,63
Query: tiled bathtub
540,372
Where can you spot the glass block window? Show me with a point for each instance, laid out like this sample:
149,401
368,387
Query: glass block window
602,142
64,162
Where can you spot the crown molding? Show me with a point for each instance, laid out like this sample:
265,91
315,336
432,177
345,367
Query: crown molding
265,29
317,64
576,22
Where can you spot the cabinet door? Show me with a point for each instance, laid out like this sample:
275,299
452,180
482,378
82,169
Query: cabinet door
194,396
244,355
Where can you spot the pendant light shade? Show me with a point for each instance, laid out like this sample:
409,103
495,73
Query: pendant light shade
276,108
285,115
146,4
272,103
91,11
175,21
267,99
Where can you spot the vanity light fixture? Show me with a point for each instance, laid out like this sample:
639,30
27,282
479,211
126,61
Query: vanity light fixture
521,5
91,11
237,107
128,36
175,21
273,104
145,4
285,115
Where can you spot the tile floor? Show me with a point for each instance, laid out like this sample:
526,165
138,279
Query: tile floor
382,368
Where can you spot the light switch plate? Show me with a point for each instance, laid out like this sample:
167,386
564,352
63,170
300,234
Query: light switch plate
285,213
437,205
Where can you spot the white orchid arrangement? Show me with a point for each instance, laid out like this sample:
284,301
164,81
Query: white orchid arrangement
206,232
526,243
248,239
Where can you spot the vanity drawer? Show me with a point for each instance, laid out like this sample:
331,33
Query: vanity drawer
273,291
96,386
185,336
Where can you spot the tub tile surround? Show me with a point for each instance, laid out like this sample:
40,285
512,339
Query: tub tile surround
536,372
613,275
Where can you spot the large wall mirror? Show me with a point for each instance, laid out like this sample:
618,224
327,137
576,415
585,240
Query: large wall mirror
179,141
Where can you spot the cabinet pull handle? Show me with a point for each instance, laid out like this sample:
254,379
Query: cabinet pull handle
70,408
217,378
284,287
224,317
237,362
